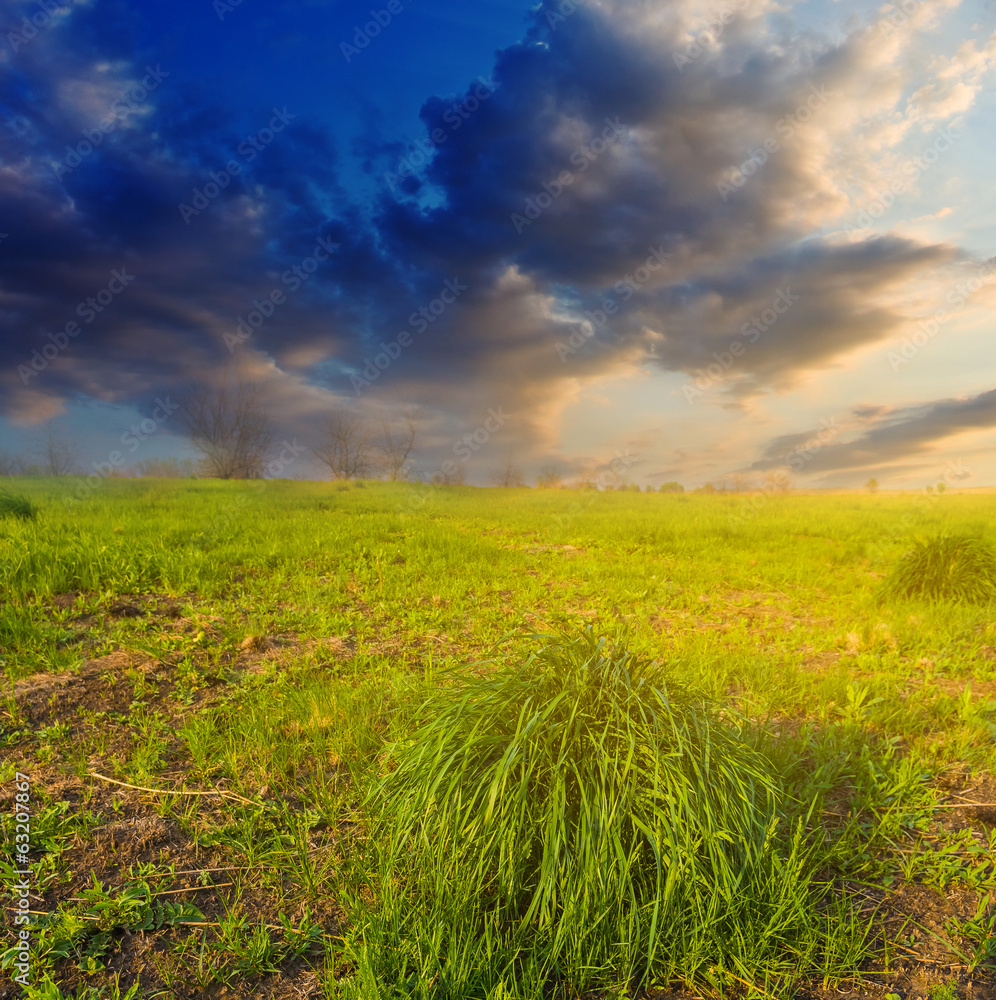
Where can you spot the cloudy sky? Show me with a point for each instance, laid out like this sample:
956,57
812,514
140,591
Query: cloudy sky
718,236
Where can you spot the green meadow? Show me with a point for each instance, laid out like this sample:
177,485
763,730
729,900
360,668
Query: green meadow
388,740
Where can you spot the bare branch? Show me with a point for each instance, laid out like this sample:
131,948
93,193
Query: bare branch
347,449
397,441
549,477
230,428
59,456
508,475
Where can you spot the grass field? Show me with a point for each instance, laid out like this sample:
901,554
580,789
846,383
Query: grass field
213,714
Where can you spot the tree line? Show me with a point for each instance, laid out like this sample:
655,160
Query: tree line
230,428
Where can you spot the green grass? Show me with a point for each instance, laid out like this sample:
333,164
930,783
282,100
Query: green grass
788,681
573,816
16,505
946,568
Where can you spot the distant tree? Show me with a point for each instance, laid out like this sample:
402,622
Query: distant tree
455,476
230,427
929,488
742,483
707,488
649,489
776,481
672,487
59,455
941,487
348,445
508,474
549,478
397,441
872,486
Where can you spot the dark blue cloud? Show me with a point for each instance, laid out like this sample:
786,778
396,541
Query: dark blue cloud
545,186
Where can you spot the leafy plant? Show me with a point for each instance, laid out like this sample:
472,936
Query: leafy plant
85,932
48,989
944,991
948,567
980,930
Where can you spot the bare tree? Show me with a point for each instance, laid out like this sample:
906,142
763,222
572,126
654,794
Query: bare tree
549,477
776,482
397,441
229,426
454,475
507,474
59,455
348,446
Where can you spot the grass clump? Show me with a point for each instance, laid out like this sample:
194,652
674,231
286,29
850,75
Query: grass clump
575,819
948,567
16,505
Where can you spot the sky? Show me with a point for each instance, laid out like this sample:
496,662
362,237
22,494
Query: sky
706,238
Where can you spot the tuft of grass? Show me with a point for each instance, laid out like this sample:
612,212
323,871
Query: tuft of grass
947,567
16,505
575,818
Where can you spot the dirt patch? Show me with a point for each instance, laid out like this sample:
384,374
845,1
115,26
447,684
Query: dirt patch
138,834
107,830
120,605
99,685
257,652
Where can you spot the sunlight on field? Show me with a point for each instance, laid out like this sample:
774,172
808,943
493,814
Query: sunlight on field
269,646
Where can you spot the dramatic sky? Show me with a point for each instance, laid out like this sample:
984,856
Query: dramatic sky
718,236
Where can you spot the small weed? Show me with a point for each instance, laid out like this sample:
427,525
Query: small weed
944,991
